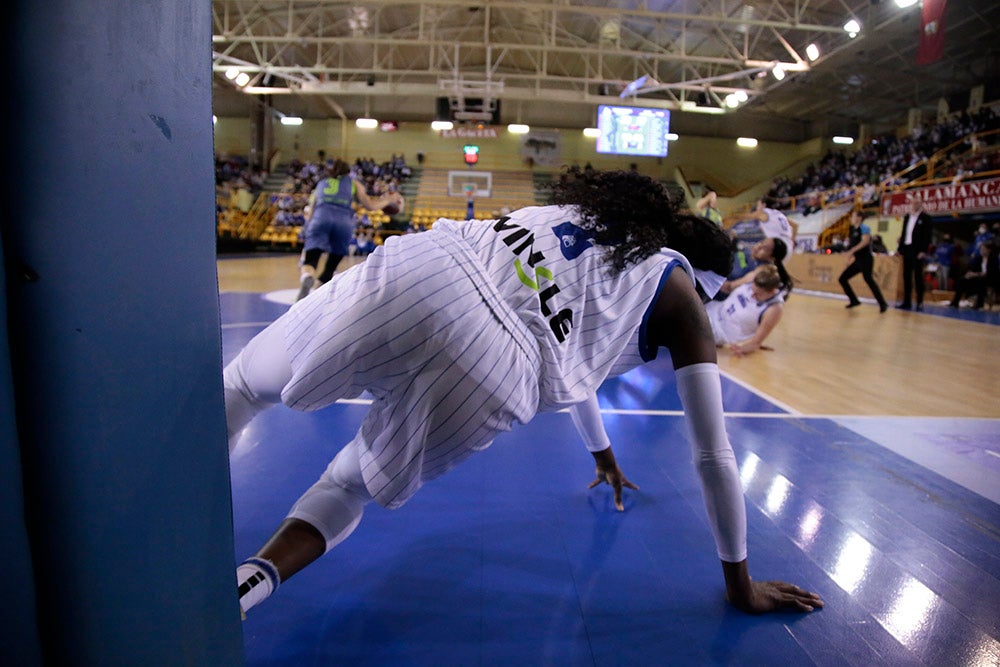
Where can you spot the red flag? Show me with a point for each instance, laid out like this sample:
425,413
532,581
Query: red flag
931,32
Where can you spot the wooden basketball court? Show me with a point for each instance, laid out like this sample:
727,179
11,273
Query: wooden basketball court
826,360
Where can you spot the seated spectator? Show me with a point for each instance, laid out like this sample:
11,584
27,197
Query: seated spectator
983,274
983,235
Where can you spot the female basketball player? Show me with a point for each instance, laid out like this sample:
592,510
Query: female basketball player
330,226
473,326
749,314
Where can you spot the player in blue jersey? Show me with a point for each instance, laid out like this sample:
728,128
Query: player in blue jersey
331,224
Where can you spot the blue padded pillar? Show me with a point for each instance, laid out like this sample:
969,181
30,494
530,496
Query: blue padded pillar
114,334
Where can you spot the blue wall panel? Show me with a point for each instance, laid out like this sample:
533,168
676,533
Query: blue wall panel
19,637
115,345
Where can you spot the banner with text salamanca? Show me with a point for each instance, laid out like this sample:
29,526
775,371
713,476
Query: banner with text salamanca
969,197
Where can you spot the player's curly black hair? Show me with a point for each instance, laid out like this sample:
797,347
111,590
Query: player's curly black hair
634,216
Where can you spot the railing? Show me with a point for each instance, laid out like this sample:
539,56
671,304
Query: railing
940,160
245,226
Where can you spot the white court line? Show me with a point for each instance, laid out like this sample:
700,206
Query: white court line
754,390
740,415
992,453
240,325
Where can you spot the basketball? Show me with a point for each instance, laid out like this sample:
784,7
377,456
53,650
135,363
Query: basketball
395,206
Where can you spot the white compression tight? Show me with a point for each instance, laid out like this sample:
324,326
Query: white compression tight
253,382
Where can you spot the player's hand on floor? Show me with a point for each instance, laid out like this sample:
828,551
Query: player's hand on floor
616,478
768,596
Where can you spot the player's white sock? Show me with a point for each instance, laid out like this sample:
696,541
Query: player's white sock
256,579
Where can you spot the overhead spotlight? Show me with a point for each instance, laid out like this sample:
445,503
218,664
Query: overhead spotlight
232,73
366,123
903,4
291,120
778,72
812,52
742,96
441,125
242,79
852,28
746,142
847,141
215,119
731,101
591,132
671,136
518,128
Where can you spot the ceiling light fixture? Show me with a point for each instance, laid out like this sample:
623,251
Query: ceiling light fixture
779,72
366,123
232,73
291,120
746,142
847,141
852,28
903,4
812,52
518,128
591,132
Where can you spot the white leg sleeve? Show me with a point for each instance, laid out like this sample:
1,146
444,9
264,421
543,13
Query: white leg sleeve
335,503
700,390
253,381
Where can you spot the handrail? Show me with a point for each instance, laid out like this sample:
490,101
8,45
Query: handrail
931,162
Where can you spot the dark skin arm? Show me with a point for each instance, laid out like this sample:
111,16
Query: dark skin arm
608,472
679,322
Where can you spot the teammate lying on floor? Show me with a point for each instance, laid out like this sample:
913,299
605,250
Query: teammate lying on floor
750,312
464,330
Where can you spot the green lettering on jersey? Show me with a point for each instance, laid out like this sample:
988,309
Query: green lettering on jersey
540,271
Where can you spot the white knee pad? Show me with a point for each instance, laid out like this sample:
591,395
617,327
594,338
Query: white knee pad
335,503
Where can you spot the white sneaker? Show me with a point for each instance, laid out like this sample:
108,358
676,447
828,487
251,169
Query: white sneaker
307,283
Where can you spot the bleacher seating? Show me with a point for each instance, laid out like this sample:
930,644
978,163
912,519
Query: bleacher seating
510,190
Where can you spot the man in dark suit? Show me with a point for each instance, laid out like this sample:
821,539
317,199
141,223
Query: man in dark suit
913,245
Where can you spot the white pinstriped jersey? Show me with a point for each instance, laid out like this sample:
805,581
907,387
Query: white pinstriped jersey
738,317
588,324
463,330
777,226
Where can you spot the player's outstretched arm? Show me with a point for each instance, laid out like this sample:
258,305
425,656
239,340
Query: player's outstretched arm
680,323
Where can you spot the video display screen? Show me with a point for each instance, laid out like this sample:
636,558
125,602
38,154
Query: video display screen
632,130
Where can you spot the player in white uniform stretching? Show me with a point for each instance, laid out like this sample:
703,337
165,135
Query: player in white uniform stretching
463,330
749,313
